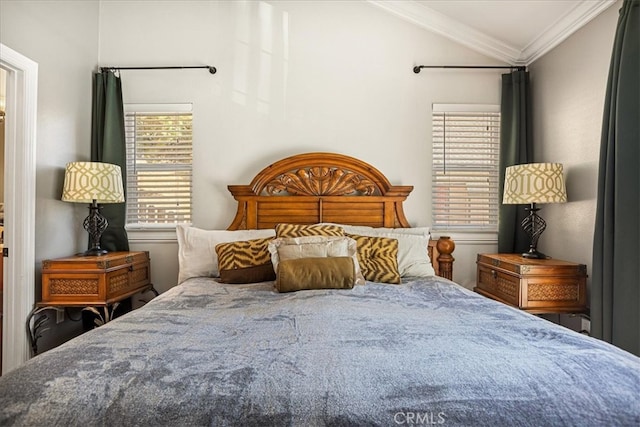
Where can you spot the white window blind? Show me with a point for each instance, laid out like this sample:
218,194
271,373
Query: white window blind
466,150
159,165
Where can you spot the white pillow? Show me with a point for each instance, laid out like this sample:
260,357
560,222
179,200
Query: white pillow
413,256
197,248
315,247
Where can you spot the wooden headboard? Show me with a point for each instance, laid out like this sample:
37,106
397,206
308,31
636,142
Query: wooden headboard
327,187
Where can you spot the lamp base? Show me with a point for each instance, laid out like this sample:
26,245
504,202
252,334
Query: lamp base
95,252
534,254
533,225
95,224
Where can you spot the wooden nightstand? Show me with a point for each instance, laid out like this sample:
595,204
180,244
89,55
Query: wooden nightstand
95,283
533,285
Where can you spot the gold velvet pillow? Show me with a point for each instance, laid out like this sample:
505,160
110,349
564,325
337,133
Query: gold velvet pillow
303,230
246,261
315,273
378,258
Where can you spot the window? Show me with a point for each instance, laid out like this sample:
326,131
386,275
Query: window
466,149
159,159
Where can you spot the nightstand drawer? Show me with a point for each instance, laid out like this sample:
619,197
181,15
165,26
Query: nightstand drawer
498,284
567,293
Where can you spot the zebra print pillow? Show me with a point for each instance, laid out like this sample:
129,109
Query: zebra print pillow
246,261
378,258
304,230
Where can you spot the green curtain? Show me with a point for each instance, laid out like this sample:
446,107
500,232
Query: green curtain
515,148
615,283
108,146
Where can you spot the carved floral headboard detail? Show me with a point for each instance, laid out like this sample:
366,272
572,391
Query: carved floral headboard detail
321,181
315,168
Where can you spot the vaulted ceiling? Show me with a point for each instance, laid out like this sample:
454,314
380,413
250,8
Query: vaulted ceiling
513,31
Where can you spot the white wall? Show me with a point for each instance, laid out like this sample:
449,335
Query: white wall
568,86
292,77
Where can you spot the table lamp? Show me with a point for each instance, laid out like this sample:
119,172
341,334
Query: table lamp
94,183
533,183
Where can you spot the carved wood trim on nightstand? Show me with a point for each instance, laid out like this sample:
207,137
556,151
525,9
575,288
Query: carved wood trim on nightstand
506,287
73,286
118,282
139,275
553,292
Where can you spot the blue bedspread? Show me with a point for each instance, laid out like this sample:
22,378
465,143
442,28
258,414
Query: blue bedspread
425,352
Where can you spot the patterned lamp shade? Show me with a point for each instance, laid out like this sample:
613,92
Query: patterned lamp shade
534,183
85,182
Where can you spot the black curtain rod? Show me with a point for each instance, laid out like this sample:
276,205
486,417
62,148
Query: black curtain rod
417,68
211,69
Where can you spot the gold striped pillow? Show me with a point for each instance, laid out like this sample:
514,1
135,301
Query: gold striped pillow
304,230
247,261
378,258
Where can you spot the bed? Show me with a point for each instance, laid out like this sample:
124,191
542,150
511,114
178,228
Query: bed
424,351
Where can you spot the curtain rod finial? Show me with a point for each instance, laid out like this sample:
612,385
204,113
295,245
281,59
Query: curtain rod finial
416,69
212,70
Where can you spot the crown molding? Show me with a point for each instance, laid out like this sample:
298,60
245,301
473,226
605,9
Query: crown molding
436,22
560,30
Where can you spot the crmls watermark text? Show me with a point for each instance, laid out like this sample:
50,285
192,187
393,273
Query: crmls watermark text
419,418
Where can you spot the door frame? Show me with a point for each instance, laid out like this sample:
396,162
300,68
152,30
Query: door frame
20,202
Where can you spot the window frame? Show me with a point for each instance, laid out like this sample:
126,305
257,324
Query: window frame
161,228
488,154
